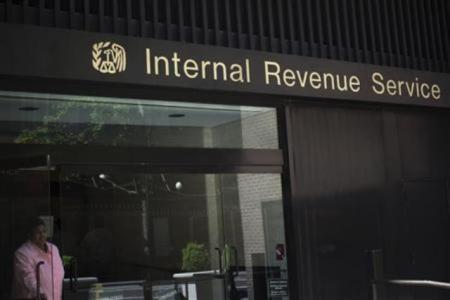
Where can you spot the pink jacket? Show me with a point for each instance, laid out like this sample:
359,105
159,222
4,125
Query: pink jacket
26,259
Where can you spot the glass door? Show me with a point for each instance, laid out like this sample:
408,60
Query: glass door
254,246
129,232
32,267
133,234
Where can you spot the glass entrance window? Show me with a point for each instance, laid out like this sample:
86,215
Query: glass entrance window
132,227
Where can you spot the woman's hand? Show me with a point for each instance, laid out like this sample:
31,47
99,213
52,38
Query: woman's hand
43,297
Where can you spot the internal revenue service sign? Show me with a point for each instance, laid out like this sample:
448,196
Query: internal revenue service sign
72,55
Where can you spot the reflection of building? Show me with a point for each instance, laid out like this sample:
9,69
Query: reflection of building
320,126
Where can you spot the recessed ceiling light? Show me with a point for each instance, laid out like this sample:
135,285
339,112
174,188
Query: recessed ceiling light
176,115
28,108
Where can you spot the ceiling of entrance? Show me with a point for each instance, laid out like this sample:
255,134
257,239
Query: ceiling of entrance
27,107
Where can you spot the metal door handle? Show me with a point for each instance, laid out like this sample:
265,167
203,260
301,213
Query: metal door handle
73,279
219,252
236,261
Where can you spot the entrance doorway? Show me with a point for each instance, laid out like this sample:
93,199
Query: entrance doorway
135,230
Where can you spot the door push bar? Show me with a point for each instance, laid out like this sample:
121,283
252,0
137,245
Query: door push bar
378,279
425,283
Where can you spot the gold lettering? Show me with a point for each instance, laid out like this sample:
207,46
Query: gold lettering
275,73
391,87
328,76
289,77
216,65
436,91
236,74
176,61
376,78
355,84
315,80
190,68
166,64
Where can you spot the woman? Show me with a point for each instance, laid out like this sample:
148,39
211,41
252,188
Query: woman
37,260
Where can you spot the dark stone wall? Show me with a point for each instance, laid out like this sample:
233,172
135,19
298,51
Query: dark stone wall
367,179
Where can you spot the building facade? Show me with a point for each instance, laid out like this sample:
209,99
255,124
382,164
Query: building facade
255,149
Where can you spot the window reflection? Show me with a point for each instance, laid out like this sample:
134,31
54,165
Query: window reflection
27,118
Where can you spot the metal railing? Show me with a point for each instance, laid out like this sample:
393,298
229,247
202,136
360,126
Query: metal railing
379,280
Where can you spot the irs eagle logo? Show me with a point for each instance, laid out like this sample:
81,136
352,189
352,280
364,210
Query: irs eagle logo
108,58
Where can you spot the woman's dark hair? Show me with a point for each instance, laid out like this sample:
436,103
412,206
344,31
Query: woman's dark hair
33,223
